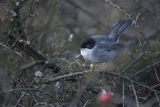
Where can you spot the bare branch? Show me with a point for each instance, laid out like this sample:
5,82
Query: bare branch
80,73
133,62
3,45
144,69
135,95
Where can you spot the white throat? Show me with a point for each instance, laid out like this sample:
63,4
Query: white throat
87,54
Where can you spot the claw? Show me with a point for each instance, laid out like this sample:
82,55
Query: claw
91,68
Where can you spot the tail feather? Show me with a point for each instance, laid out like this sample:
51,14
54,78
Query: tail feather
118,28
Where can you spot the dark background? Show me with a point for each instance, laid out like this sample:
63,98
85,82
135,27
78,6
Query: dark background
51,30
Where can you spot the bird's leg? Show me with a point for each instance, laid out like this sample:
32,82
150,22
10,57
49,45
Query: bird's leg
91,68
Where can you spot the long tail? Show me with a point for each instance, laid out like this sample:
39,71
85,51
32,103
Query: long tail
118,28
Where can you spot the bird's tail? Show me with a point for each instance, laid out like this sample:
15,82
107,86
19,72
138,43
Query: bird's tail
118,28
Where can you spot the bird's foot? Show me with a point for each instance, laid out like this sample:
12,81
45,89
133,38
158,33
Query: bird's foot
91,69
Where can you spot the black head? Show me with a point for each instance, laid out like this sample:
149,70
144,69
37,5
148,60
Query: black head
88,43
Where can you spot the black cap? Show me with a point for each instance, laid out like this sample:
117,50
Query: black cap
88,43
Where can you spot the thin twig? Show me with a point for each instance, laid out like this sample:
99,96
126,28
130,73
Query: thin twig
135,95
3,45
31,89
158,100
94,17
120,9
85,104
132,63
80,73
134,21
32,64
123,92
155,71
155,86
88,101
144,69
20,99
19,89
70,75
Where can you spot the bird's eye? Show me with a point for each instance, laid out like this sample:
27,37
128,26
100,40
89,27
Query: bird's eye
88,43
88,46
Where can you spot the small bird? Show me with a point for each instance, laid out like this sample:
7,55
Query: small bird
103,48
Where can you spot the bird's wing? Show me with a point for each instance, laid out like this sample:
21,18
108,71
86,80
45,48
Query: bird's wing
115,46
105,52
109,46
104,44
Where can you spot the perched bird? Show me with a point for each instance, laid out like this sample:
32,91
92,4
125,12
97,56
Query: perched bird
103,48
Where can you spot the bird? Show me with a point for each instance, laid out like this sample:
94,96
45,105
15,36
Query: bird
97,49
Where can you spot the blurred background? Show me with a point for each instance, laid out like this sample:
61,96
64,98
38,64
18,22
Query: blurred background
56,27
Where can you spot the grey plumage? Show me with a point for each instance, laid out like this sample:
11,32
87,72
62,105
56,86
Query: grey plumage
103,48
118,28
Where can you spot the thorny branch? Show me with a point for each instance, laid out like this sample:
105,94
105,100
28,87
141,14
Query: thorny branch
20,99
27,90
18,36
3,45
133,62
18,43
21,42
144,69
80,73
142,45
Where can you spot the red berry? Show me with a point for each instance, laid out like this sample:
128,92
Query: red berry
105,97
